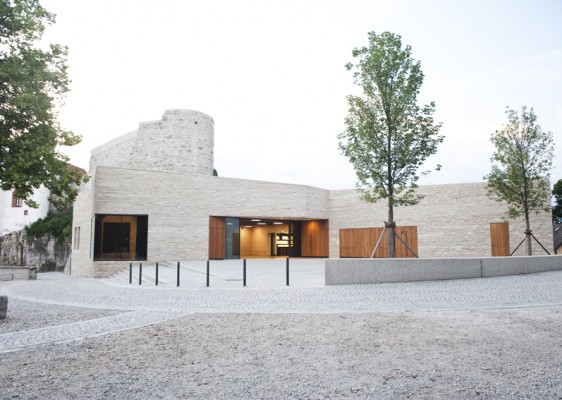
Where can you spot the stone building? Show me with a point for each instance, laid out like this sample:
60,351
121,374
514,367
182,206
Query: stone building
153,197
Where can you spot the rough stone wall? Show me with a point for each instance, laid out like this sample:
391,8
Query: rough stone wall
115,153
13,249
182,141
46,255
40,254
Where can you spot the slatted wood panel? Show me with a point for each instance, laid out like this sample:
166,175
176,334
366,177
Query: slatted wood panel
410,235
499,235
360,242
315,238
216,238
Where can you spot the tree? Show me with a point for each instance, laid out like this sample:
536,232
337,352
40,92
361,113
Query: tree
388,136
557,208
520,173
32,84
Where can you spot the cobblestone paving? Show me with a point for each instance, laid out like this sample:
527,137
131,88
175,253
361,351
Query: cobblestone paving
148,303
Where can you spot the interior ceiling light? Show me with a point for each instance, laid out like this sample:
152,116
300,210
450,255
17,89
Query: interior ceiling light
255,220
262,223
249,226
278,223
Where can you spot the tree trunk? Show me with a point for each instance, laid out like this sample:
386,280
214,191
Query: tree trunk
390,226
528,247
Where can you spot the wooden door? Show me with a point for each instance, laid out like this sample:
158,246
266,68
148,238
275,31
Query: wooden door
118,237
216,238
315,238
499,235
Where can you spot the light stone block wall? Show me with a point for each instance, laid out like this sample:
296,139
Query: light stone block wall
178,208
81,262
164,170
453,220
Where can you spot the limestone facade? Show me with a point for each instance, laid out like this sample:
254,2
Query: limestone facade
164,171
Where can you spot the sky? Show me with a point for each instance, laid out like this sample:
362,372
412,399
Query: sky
271,73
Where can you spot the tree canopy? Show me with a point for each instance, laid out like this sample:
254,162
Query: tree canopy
388,135
521,165
33,83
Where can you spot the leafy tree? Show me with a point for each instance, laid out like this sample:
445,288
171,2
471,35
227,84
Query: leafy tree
522,161
557,209
32,84
388,135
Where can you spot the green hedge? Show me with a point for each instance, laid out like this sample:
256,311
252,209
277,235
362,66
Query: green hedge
57,224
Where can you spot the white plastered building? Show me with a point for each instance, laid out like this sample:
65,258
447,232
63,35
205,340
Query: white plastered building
15,214
153,197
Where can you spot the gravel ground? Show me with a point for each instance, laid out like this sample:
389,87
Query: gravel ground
23,315
500,354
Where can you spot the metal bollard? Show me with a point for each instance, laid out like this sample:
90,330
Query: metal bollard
244,274
156,274
140,274
130,272
178,273
287,270
208,274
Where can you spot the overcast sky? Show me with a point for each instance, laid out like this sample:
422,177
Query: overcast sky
272,75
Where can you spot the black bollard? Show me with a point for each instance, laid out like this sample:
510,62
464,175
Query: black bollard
140,274
287,270
244,274
178,273
130,272
156,274
208,273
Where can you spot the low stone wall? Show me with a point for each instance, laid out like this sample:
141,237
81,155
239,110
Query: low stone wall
8,273
344,271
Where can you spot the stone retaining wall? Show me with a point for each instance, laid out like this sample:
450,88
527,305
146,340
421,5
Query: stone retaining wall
382,270
21,257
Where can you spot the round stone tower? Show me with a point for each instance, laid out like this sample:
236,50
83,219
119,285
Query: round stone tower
182,142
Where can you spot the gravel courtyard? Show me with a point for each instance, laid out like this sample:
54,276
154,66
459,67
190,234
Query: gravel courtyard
379,352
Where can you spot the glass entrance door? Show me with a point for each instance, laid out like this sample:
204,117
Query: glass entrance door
232,239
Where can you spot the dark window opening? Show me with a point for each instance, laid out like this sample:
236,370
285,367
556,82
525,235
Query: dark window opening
120,237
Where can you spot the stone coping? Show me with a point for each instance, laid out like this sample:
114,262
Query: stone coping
344,271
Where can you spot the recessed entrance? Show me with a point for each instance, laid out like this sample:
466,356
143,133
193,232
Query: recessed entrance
235,237
269,238
120,237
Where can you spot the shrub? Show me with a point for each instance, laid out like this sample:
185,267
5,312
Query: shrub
59,225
